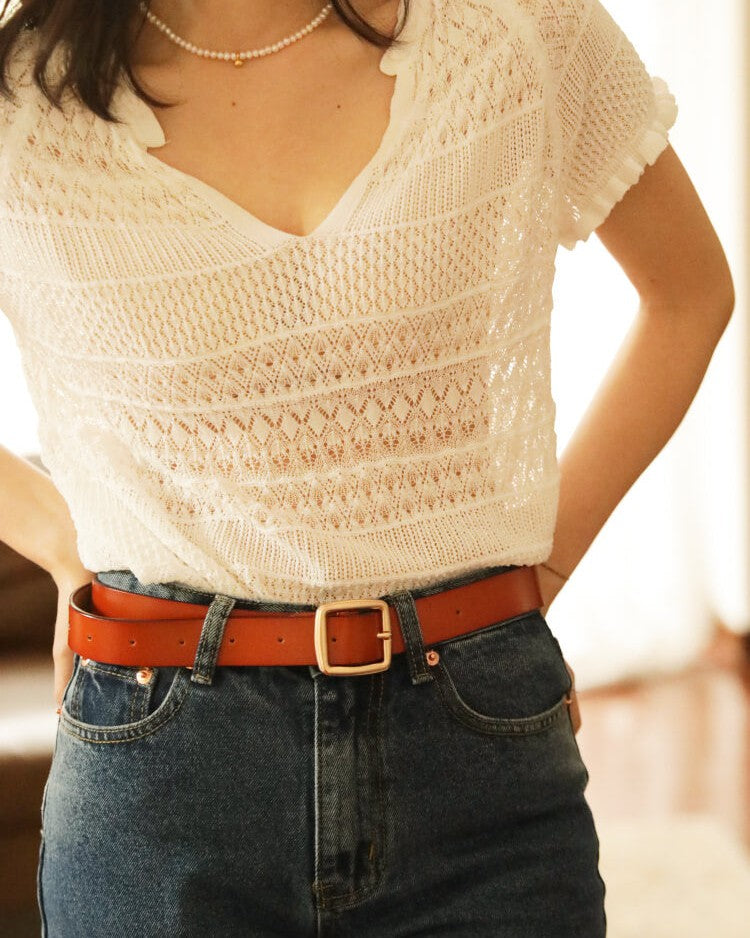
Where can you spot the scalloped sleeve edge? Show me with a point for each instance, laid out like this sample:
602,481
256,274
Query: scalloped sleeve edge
646,147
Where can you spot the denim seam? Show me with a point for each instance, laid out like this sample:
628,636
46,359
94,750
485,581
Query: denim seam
95,738
172,702
413,638
138,704
76,693
409,648
139,700
40,863
210,640
132,716
40,900
379,748
317,884
373,741
494,726
121,672
375,881
352,896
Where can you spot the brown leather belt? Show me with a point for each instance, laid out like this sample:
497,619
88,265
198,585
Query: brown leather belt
345,637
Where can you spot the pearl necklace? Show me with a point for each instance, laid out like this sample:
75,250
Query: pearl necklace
237,57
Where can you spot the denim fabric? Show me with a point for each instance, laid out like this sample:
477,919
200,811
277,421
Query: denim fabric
425,800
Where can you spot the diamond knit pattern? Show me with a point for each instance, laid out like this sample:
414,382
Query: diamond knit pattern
334,416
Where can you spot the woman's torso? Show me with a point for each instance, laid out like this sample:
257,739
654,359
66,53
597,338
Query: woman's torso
284,417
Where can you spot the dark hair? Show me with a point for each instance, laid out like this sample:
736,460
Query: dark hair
96,36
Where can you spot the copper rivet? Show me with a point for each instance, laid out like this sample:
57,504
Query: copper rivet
84,662
144,675
432,657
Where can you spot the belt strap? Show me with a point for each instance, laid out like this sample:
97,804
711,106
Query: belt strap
120,627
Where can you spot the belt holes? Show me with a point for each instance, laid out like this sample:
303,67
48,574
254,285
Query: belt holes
181,641
131,641
280,638
231,641
89,638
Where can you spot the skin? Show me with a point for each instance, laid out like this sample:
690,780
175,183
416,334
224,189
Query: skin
295,116
659,233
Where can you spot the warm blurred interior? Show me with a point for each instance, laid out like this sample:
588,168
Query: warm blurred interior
655,621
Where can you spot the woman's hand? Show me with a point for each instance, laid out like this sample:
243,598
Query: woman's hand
67,580
550,585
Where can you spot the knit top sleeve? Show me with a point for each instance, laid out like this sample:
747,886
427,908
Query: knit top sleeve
612,115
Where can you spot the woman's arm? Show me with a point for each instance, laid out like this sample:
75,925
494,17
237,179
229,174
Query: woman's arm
35,521
663,239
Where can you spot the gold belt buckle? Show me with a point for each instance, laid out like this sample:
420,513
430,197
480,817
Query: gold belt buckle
321,636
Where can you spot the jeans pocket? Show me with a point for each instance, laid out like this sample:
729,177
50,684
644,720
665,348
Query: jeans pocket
119,703
508,678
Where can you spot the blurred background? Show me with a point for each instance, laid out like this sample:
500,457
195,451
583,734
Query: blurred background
656,620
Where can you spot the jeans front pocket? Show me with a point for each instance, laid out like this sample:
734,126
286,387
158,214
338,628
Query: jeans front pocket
508,678
119,703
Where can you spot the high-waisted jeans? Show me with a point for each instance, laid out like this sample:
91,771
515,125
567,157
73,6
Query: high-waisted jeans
424,800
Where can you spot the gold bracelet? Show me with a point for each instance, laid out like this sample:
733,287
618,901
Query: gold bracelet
552,570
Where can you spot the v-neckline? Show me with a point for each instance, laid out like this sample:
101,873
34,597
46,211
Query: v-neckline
145,130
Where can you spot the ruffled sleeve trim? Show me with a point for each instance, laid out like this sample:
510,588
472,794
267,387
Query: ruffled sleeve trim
644,151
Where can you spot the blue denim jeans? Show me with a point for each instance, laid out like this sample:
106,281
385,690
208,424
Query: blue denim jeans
424,800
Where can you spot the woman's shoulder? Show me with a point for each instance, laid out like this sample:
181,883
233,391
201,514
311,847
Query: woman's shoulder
556,25
556,22
19,81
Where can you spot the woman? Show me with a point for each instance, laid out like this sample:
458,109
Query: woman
289,344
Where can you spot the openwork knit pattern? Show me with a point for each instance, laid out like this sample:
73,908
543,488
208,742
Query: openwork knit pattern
363,409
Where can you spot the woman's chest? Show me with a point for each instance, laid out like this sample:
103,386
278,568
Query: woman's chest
181,256
282,139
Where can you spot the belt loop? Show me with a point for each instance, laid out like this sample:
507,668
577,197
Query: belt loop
419,672
209,643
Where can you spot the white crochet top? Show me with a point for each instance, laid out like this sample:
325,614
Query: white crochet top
365,408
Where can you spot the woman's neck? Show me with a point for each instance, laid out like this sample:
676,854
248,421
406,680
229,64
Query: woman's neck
235,24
